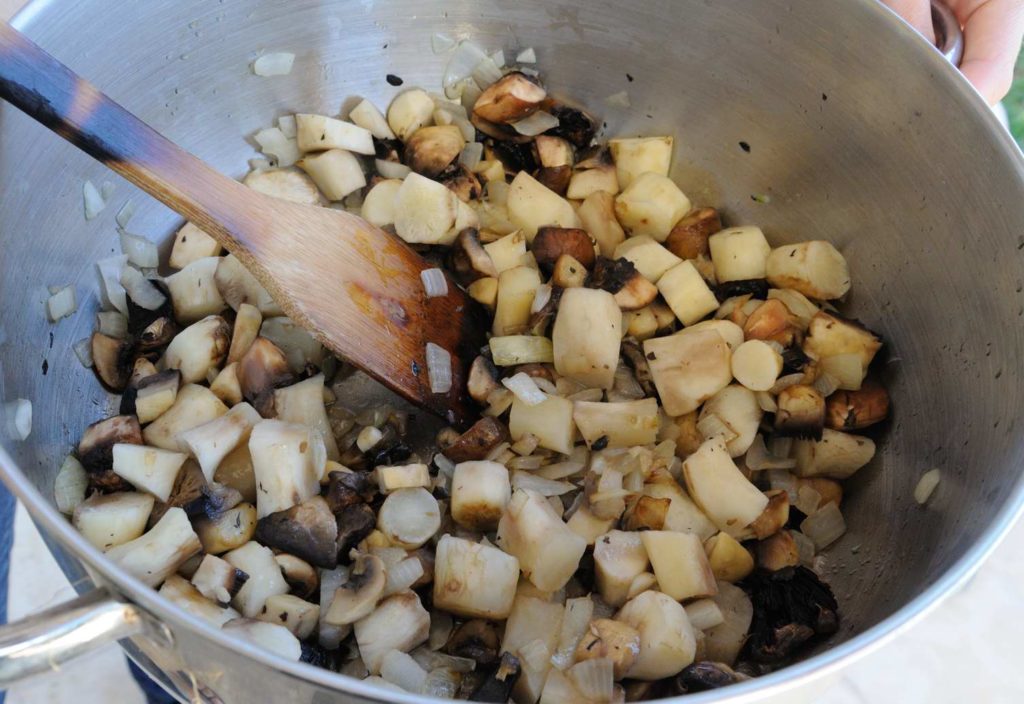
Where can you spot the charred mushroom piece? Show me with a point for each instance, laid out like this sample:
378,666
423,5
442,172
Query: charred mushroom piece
689,237
854,410
541,319
462,182
791,606
555,178
262,369
513,155
755,288
431,149
213,501
552,242
702,676
346,489
111,358
314,654
157,334
475,639
140,318
307,530
771,321
611,275
512,98
610,639
302,578
794,360
574,125
475,444
188,488
468,259
801,412
483,379
96,448
358,596
354,524
107,482
634,356
498,687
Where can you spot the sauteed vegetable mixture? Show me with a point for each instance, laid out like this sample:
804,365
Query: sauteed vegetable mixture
668,406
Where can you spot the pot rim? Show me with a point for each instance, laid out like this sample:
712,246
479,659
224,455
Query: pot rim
790,678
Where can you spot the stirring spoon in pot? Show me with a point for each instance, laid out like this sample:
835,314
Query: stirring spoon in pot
355,287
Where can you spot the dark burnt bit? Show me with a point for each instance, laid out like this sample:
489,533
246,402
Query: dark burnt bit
354,524
745,147
96,448
540,320
387,149
794,360
611,274
140,318
46,367
633,355
462,182
213,500
346,489
392,79
157,335
107,482
600,444
394,453
314,654
475,639
575,126
498,687
791,606
704,676
756,288
515,157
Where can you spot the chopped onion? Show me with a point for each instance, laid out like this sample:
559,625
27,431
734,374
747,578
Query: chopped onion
112,324
83,350
439,369
331,636
440,43
111,290
106,191
545,385
441,683
497,193
797,304
710,425
561,470
618,100
586,395
498,58
526,444
527,56
498,401
541,297
522,386
544,487
767,402
61,304
781,479
486,72
391,169
400,669
444,465
19,418
634,482
625,384
402,575
259,164
529,462
826,384
430,659
784,382
594,679
434,282
140,289
824,526
93,199
274,143
926,485
846,369
287,125
758,458
537,123
468,92
141,252
125,213
441,625
578,613
807,499
276,64
601,608
70,485
529,71
468,131
471,155
460,66
805,546
535,655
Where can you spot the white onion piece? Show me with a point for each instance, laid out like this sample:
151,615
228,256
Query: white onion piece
106,191
468,131
587,395
112,324
141,289
578,613
545,487
541,297
797,304
287,125
527,56
535,655
784,382
525,389
331,636
807,499
469,92
19,418
274,143
594,679
634,482
61,304
441,625
471,155
278,63
402,575
434,282
93,200
846,369
400,669
486,72
439,369
758,459
824,526
83,350
545,386
460,66
926,485
805,547
537,123
826,384
259,164
70,485
782,479
111,290
440,43
781,447
710,425
124,214
529,71
561,470
766,401
498,58
430,659
391,169
441,683
444,465
497,193
140,251
618,100
531,462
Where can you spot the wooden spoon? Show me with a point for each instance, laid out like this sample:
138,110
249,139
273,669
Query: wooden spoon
354,286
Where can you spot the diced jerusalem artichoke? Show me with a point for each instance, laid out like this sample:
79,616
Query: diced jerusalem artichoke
193,406
815,269
688,368
316,133
190,244
837,455
686,293
474,580
336,172
679,563
531,205
730,561
265,578
618,558
651,205
622,423
739,253
287,462
737,407
425,211
148,468
480,492
586,337
398,623
158,553
517,288
720,489
211,442
831,336
597,216
667,640
530,530
550,421
533,623
634,156
648,256
108,520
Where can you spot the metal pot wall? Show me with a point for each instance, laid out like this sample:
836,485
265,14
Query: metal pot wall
857,133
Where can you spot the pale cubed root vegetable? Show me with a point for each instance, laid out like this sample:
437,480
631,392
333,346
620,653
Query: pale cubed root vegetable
288,460
369,117
297,615
379,203
667,640
601,178
729,560
639,324
248,320
226,386
286,184
265,578
485,292
430,150
723,642
614,640
550,421
407,476
178,590
679,563
597,217
148,468
704,614
530,530
686,293
108,520
517,288
217,579
200,347
155,394
568,272
683,514
303,403
398,623
315,133
158,553
531,205
837,455
336,172
650,258
409,111
739,253
831,336
70,485
508,251
409,517
720,489
619,557
474,580
194,292
730,331
272,637
513,350
191,244
737,407
586,337
534,625
638,155
688,368
211,442
651,205
480,492
756,365
815,269
588,526
231,529
425,211
237,285
622,423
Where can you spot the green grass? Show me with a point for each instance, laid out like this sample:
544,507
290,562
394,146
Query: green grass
1015,102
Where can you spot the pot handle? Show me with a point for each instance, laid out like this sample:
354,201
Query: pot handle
44,641
949,37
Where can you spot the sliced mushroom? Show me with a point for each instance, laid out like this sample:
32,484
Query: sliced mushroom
187,489
512,98
483,379
96,448
477,442
801,412
111,358
218,580
307,530
347,488
354,524
689,237
462,182
555,178
262,369
854,410
704,676
431,149
551,243
468,259
157,334
302,577
614,640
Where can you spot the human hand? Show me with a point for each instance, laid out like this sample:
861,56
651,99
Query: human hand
993,30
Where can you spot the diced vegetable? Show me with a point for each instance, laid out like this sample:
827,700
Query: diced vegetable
530,530
474,580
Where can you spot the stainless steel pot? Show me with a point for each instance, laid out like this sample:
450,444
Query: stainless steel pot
857,133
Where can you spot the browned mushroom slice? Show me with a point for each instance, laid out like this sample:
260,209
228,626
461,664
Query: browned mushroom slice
555,178
188,488
771,321
512,98
853,410
498,687
262,369
688,239
307,530
801,412
111,358
553,151
475,639
301,576
483,379
96,448
645,513
778,552
541,319
346,489
155,394
354,524
468,260
358,596
462,182
552,242
157,334
774,517
605,638
474,444
431,149
704,676
494,130
633,353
